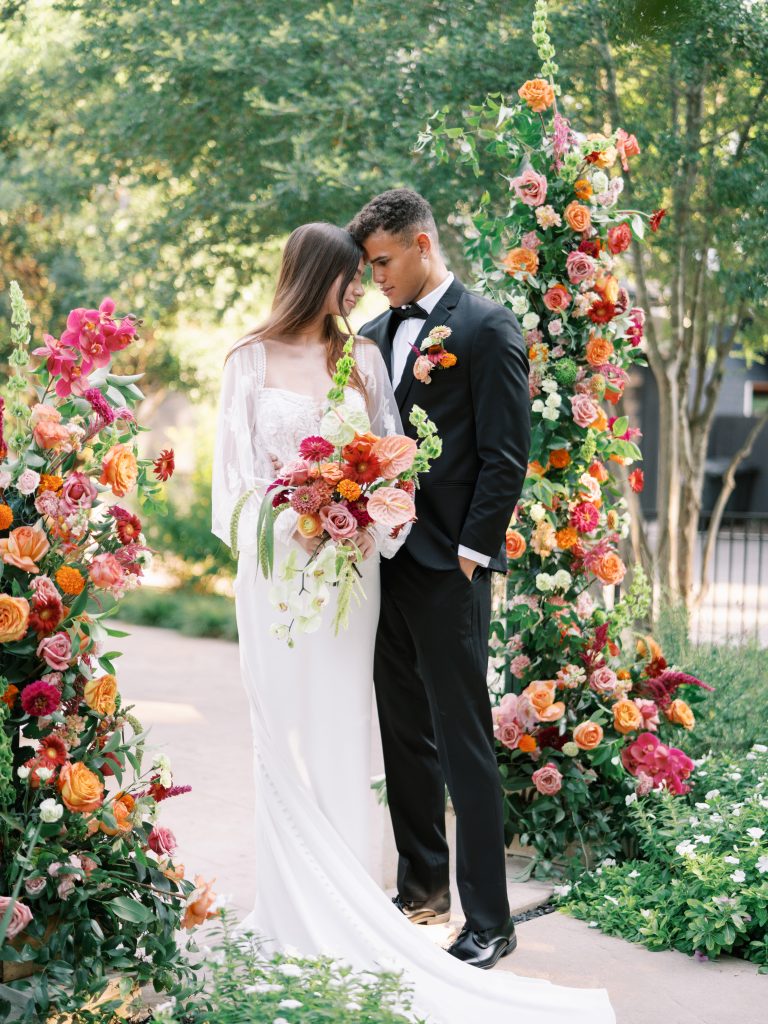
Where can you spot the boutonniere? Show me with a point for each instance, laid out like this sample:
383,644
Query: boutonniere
433,353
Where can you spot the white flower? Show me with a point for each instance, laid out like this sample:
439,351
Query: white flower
715,817
555,327
562,890
755,833
645,913
538,406
530,322
612,899
278,631
750,756
633,874
44,774
738,876
731,860
760,748
608,862
289,1004
711,794
50,810
537,513
599,181
548,413
561,580
544,582
27,482
701,807
5,479
549,385
630,798
686,849
703,839
762,865
290,970
519,305
353,1006
23,772
593,924
735,776
554,399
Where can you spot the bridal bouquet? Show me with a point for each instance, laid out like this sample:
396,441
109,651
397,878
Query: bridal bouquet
89,882
346,481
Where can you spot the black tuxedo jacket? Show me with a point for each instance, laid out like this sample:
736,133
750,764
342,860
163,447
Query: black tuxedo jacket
481,408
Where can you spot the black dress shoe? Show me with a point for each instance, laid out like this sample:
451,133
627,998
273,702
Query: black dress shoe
484,949
423,914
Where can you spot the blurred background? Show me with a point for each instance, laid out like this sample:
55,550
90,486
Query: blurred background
160,152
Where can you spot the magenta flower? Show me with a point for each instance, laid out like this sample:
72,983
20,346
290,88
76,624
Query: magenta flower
58,355
315,449
162,841
73,380
585,517
40,699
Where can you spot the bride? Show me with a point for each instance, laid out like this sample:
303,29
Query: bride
310,706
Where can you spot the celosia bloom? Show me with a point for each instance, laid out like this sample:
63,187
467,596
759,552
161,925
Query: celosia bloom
40,699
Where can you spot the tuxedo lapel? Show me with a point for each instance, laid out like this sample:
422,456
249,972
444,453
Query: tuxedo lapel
439,317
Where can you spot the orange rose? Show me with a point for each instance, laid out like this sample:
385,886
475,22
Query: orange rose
599,350
559,458
557,298
680,713
331,472
515,544
541,694
588,735
122,809
627,716
100,694
521,260
80,788
526,743
553,712
309,525
609,568
119,470
395,455
14,618
567,537
24,547
578,217
199,905
538,93
582,188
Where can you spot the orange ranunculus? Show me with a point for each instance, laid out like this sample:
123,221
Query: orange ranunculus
582,188
609,568
526,743
680,713
199,905
122,809
24,547
598,471
395,454
541,694
567,537
515,544
538,93
627,716
14,618
309,525
608,287
553,712
119,470
81,789
559,458
100,694
521,260
448,359
578,217
600,422
331,472
588,735
599,350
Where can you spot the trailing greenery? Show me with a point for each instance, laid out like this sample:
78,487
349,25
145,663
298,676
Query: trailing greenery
701,884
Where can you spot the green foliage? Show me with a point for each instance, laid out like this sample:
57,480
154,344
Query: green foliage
244,983
188,611
702,883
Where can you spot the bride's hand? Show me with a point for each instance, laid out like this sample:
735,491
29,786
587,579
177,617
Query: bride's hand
308,544
365,542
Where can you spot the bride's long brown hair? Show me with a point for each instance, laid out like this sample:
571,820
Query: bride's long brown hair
314,256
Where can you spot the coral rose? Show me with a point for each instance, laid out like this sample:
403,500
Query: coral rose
619,238
609,568
680,713
599,350
588,735
541,694
331,472
515,544
81,789
578,217
199,903
627,717
24,547
557,298
395,454
121,809
521,261
119,470
391,506
538,93
21,916
100,694
105,571
553,712
47,430
547,779
14,618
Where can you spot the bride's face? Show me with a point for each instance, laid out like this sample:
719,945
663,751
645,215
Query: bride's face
354,292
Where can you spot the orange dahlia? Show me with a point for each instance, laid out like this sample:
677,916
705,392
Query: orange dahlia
70,580
559,458
349,489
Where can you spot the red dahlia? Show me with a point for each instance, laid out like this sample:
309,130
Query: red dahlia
363,469
39,698
165,464
53,749
46,614
602,312
656,218
128,529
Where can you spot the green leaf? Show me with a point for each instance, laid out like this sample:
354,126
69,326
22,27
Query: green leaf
620,426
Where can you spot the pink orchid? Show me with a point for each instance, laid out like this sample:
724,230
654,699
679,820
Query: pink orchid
57,354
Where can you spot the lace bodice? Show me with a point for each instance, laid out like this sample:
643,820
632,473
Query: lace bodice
260,425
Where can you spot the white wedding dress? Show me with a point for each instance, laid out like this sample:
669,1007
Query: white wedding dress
311,712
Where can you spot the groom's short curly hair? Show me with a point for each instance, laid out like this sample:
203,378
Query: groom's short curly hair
400,211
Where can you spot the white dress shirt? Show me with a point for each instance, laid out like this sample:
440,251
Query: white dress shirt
405,337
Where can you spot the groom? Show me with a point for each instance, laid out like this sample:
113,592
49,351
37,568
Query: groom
432,644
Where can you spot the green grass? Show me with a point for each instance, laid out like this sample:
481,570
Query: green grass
185,610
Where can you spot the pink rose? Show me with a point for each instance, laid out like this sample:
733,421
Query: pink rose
507,708
650,712
162,841
603,681
295,474
509,734
21,916
338,521
518,665
530,187
27,482
548,779
557,298
34,886
106,572
78,492
584,410
580,267
56,651
422,368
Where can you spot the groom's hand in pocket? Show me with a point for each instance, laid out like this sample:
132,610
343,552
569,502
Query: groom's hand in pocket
467,566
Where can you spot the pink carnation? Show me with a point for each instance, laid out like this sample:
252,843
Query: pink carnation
530,187
518,665
530,240
548,779
106,572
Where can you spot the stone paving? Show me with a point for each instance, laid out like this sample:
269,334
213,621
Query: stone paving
188,692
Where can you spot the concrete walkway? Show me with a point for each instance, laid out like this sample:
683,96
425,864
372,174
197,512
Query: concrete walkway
188,692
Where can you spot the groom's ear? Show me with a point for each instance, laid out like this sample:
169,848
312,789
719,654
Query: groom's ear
425,243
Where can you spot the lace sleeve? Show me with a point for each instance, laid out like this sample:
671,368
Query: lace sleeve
239,463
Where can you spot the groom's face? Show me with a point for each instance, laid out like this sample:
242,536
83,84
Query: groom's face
399,264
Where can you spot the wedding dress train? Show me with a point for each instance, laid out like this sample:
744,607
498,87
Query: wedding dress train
310,710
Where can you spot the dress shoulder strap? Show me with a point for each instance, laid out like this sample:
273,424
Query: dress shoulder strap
260,362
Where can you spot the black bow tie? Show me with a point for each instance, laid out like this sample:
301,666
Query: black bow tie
400,313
